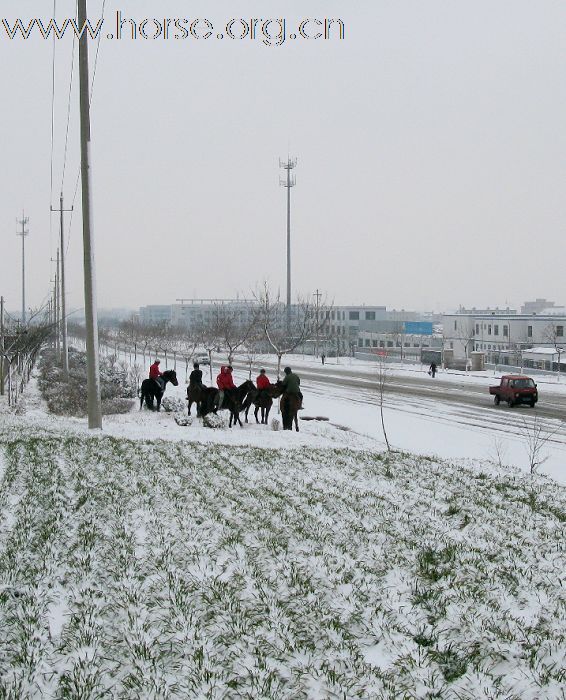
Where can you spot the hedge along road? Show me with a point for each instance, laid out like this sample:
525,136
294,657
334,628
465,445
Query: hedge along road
551,405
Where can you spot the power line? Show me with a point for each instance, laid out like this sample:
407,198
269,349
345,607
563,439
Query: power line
68,114
90,105
52,129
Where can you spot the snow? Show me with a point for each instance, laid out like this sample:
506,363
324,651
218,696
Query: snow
151,559
187,569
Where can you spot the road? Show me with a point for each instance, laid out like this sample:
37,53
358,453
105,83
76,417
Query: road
464,403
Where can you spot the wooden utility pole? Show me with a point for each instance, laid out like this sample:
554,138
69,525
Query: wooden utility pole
57,311
1,346
23,233
91,312
62,288
317,294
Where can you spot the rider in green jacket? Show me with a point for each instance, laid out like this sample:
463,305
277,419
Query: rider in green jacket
291,383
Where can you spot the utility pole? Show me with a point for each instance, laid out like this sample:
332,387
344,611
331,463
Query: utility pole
23,233
57,301
91,312
317,294
1,346
62,287
288,182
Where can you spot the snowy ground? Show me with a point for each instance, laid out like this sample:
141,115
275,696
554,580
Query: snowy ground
152,560
145,568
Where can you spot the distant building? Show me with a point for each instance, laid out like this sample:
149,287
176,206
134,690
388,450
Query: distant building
538,306
501,336
152,315
193,312
356,327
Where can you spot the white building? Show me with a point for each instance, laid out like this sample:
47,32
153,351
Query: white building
502,335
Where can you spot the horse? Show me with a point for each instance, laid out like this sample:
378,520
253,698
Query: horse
196,393
151,390
262,400
233,399
290,404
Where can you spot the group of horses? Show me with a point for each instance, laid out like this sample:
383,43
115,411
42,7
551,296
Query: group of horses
235,400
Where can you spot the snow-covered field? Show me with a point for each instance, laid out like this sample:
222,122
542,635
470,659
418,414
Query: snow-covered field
145,568
159,561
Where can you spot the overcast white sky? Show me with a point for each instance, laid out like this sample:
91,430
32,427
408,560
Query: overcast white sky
431,146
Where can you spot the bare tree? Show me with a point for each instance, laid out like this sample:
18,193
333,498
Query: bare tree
206,336
536,438
307,321
464,333
232,326
554,334
251,349
381,385
499,452
187,346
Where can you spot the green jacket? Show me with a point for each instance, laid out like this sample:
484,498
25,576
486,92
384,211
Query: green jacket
291,383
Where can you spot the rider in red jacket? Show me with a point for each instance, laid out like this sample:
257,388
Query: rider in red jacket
224,381
262,380
154,371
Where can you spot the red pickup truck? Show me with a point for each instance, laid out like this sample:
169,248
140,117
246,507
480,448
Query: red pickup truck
515,389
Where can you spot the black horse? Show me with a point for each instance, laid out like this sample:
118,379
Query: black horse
233,401
151,390
262,400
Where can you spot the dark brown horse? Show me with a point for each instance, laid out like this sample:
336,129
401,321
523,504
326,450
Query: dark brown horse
262,400
196,393
290,404
233,400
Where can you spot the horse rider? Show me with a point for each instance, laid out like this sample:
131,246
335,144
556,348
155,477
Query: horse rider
224,381
262,383
195,377
155,373
291,384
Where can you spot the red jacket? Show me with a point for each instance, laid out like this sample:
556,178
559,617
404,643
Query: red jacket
263,382
154,371
224,380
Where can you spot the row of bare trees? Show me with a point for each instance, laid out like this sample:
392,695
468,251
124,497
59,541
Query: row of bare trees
20,345
236,330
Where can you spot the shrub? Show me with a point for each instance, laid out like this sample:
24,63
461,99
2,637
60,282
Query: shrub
69,398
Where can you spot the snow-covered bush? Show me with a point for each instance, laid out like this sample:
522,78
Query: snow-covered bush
70,397
172,404
183,419
215,420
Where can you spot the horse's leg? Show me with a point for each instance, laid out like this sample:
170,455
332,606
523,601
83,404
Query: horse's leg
296,421
141,401
246,413
285,415
256,412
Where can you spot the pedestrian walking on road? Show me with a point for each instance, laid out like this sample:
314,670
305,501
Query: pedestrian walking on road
432,369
